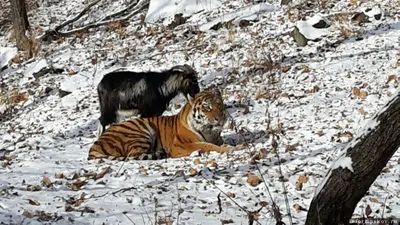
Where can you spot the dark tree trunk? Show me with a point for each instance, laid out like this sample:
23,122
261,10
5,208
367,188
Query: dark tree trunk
20,24
369,152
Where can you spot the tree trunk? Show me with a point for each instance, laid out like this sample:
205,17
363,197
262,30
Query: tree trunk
360,163
20,24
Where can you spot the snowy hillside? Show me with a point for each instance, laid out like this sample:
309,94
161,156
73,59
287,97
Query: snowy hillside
315,97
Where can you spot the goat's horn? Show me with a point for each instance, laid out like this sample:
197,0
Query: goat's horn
183,68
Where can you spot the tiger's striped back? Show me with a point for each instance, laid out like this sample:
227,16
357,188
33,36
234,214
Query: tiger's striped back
163,136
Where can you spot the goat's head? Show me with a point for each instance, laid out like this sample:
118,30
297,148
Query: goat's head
189,84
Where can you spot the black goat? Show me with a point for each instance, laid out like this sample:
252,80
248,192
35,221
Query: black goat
127,93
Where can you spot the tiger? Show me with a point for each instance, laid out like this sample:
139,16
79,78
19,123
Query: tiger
196,127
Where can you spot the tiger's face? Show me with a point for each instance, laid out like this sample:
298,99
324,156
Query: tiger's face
208,110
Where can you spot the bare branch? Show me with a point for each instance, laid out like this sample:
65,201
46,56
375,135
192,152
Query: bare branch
139,7
120,13
83,12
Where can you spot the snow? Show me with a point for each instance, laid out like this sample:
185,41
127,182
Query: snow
166,10
50,135
372,12
306,28
6,54
248,13
343,162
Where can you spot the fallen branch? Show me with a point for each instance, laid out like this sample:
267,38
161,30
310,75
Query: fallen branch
56,33
84,11
114,192
119,13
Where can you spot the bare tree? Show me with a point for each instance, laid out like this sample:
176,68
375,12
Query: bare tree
20,24
356,169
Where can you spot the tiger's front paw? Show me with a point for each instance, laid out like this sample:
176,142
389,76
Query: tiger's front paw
231,148
228,148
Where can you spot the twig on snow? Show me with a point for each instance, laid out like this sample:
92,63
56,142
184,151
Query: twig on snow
54,33
119,13
128,218
219,203
276,212
83,12
284,191
230,198
115,192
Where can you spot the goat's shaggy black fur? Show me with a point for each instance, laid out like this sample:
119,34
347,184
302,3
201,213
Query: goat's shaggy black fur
127,93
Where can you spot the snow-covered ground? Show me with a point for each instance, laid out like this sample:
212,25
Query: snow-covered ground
315,97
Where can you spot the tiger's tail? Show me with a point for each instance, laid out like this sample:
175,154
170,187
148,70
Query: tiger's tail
159,154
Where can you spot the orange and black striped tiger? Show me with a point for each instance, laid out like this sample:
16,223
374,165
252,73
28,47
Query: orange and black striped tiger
193,128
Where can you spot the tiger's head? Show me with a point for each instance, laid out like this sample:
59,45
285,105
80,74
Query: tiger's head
207,110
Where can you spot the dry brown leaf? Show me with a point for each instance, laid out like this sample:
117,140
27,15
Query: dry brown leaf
253,180
180,173
305,69
261,154
193,172
391,77
21,97
59,176
315,89
143,171
33,202
196,162
346,134
231,194
77,185
300,182
33,188
320,133
16,59
302,179
290,148
47,182
286,68
102,173
71,73
386,170
28,214
374,200
363,94
298,207
80,200
246,110
356,91
362,111
264,204
299,186
212,163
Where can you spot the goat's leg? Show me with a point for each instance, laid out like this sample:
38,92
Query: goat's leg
106,118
